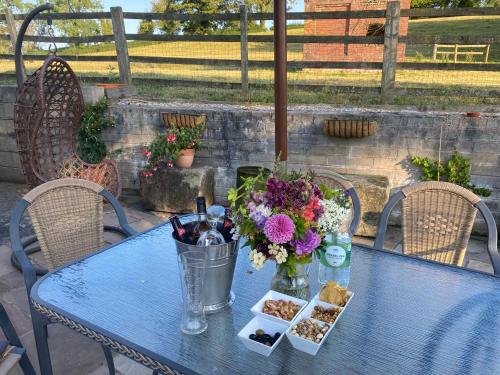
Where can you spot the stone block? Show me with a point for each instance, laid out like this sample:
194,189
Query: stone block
92,94
175,190
6,111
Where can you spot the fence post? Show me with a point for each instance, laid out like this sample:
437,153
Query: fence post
121,45
244,47
12,31
390,51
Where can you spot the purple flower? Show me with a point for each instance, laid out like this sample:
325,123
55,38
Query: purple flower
308,244
259,219
279,228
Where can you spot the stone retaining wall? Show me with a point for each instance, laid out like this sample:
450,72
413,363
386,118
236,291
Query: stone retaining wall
239,135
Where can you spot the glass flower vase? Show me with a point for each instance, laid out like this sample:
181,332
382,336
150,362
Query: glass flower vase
295,286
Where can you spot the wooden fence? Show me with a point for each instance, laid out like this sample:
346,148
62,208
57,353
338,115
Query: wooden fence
389,40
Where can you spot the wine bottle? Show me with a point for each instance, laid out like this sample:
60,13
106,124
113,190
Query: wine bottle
227,225
202,225
179,230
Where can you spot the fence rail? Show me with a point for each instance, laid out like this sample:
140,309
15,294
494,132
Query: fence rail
390,41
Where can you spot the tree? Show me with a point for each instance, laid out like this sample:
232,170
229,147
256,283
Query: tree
146,27
454,3
77,28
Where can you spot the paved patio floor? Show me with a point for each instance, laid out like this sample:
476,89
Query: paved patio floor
74,354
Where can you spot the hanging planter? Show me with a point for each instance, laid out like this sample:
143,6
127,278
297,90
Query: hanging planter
350,128
183,120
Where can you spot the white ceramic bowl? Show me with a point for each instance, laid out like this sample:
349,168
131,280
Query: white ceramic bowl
269,326
306,345
259,306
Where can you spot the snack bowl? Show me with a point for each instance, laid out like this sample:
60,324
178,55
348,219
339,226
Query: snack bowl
259,306
306,313
269,327
317,299
303,344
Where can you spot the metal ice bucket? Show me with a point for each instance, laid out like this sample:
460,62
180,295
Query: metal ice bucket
217,292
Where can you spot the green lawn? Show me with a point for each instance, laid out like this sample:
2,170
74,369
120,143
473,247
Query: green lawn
473,26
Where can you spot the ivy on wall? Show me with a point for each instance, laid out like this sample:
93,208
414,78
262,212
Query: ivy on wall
94,120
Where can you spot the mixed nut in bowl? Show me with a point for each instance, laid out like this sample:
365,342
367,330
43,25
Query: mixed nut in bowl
308,335
278,307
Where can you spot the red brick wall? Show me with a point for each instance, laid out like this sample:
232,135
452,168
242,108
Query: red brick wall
343,27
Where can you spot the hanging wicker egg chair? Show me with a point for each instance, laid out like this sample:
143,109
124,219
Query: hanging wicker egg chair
47,116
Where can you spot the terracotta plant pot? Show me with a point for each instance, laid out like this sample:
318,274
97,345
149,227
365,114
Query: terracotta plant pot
110,85
185,159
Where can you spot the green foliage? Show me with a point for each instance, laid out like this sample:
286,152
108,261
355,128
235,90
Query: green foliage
165,148
207,6
455,170
146,27
76,28
94,120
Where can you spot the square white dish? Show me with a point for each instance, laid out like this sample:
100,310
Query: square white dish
349,293
269,327
302,344
257,308
306,345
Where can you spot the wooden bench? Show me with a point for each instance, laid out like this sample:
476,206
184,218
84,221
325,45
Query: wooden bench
458,49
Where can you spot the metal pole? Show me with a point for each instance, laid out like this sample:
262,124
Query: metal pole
280,81
20,37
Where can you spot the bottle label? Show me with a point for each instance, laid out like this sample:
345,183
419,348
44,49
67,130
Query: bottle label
335,256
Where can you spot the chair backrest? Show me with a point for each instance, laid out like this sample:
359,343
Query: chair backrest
47,116
334,180
67,216
437,222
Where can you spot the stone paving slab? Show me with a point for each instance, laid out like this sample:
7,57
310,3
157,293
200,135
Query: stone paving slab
74,354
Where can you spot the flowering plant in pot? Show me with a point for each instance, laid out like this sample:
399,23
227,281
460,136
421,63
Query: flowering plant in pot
282,218
176,147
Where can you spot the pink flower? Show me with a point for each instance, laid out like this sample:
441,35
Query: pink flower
155,168
171,137
193,143
279,229
147,153
170,164
147,174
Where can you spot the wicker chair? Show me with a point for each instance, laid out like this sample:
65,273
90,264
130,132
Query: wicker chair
17,354
437,222
334,180
67,217
47,116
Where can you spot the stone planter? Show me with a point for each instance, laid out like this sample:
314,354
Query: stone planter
175,190
185,159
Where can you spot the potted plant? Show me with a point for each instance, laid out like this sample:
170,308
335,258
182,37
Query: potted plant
176,147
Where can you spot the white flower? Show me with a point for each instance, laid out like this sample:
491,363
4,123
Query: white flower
258,259
279,252
235,231
264,210
333,217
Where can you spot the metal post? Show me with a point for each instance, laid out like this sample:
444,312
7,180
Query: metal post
390,51
121,45
244,48
280,79
19,42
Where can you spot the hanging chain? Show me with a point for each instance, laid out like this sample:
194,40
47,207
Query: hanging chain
50,31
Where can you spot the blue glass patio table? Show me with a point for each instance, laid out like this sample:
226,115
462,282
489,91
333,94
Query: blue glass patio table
407,315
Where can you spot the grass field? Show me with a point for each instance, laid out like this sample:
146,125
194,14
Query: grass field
473,26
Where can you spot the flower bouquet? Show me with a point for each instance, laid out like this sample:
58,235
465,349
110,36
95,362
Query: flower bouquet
285,217
165,149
